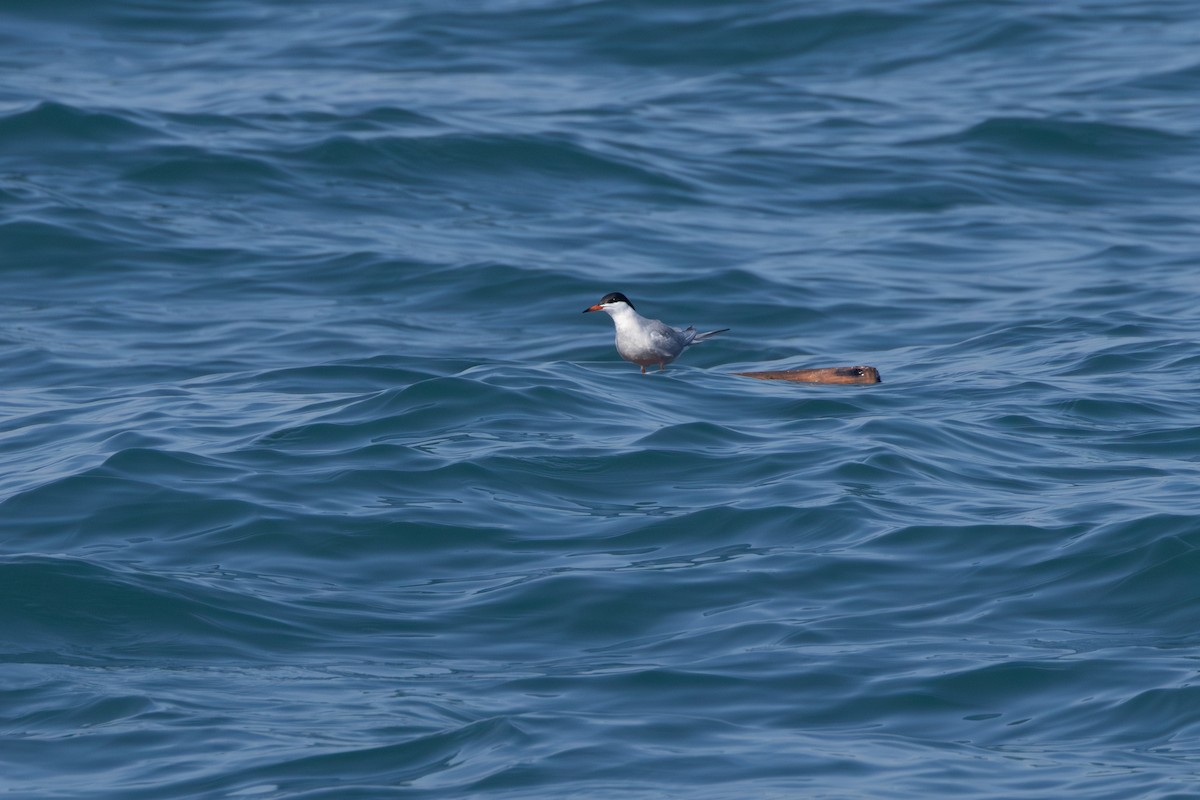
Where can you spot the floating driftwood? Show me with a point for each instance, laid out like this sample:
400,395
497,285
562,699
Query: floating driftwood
824,375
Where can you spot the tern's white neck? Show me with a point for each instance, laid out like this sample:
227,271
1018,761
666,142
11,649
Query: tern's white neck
622,314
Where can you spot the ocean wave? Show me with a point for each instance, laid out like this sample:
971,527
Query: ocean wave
1073,139
443,157
130,616
59,126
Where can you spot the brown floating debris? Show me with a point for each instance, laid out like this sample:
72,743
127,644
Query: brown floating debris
824,375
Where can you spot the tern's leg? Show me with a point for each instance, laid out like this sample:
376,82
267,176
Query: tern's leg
643,369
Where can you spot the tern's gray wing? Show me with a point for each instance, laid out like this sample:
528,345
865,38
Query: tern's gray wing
667,341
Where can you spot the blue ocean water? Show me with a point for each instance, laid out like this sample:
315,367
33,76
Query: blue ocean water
316,483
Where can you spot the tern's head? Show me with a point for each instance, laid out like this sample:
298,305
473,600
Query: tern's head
613,301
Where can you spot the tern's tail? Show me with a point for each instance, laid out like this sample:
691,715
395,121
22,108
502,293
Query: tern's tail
700,337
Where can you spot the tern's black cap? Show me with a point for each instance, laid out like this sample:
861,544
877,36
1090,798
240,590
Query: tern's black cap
615,297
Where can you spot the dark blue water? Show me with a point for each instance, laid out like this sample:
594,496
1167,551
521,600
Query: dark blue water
315,483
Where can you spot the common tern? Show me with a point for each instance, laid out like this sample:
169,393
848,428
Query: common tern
646,341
